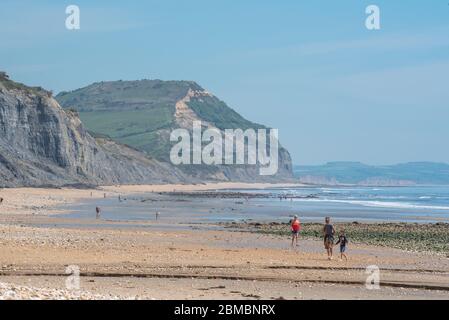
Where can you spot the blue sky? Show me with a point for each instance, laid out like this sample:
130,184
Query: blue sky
335,90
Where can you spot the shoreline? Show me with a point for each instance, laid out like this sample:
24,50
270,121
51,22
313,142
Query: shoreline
44,201
47,201
133,189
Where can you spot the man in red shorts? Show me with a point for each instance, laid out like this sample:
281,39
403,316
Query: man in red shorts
295,227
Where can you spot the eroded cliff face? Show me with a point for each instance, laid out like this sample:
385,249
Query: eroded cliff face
215,114
41,144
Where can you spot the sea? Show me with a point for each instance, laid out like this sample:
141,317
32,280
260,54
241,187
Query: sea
403,204
413,204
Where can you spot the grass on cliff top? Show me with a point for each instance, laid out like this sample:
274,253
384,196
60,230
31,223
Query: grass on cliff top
125,95
12,85
213,110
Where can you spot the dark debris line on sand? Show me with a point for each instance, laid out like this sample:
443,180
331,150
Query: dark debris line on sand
235,195
407,236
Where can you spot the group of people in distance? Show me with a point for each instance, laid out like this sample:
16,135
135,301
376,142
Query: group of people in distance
328,234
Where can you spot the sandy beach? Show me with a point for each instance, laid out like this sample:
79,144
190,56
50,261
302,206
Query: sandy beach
198,261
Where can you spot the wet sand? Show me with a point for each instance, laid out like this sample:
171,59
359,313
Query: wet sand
47,201
152,261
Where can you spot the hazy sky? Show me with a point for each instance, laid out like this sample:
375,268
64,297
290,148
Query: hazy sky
335,90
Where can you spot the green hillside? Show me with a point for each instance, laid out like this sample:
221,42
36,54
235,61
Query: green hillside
217,112
141,113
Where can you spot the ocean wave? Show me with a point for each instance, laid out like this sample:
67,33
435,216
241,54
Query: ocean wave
344,189
389,197
379,204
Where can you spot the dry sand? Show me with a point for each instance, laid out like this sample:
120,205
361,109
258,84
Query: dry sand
155,263
197,187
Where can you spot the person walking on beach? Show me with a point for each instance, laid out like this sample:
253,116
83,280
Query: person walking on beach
343,241
157,215
98,212
328,231
295,227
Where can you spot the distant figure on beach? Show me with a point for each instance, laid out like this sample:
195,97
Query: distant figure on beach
105,195
296,227
328,231
343,241
1,200
98,211
119,198
157,215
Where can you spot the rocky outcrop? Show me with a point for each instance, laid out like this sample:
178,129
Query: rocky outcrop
184,115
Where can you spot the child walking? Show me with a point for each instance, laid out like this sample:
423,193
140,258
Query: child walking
343,241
